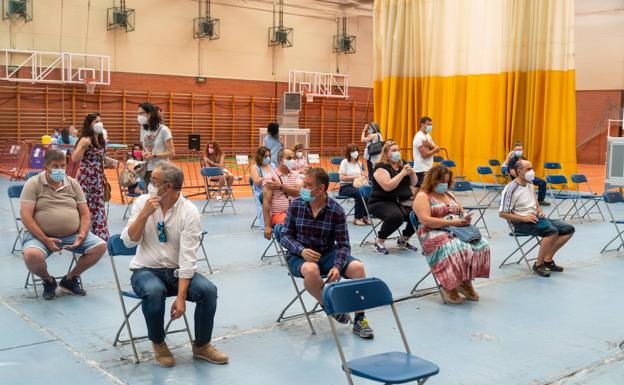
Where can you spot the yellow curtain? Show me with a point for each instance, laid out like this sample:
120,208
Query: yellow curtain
488,72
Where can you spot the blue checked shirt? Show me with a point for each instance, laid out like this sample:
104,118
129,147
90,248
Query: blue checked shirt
326,232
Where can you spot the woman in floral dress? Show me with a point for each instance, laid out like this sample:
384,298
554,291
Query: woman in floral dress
90,152
454,263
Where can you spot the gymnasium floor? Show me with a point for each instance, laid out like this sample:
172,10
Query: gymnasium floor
565,329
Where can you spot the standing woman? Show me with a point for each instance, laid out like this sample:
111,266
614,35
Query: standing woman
156,138
90,152
263,168
272,141
350,169
370,135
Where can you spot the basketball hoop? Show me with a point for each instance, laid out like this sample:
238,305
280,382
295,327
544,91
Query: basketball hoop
90,85
309,97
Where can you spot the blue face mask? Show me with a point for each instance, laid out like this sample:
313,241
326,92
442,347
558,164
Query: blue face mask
306,194
441,188
519,154
395,156
429,128
266,160
57,174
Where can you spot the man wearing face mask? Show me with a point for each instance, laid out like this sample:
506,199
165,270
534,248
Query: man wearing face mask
510,165
423,149
519,205
316,237
166,228
55,214
278,188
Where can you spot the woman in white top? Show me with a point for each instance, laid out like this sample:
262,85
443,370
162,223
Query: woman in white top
351,168
156,138
301,164
371,134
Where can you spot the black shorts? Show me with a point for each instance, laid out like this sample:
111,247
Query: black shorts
556,227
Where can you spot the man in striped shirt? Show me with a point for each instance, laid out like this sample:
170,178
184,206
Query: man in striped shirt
520,206
317,240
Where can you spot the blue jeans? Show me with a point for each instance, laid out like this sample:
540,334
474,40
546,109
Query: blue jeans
541,188
350,191
155,285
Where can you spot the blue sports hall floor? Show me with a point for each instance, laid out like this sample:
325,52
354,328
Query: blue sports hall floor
566,329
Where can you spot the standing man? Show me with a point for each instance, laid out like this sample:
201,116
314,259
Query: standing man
424,149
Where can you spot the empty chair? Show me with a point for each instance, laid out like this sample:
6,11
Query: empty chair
552,168
613,198
451,164
463,186
561,192
587,200
492,190
14,192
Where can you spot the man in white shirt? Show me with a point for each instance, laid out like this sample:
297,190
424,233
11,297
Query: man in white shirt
424,149
166,228
519,206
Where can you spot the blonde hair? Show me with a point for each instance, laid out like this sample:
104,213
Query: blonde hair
386,150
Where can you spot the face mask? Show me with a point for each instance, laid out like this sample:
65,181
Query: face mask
370,131
98,128
211,150
266,161
355,154
306,194
299,154
57,174
529,175
518,154
290,163
153,192
429,128
137,154
441,188
396,156
142,120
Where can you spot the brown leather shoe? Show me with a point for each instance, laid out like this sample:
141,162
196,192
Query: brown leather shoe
451,296
163,355
209,353
466,289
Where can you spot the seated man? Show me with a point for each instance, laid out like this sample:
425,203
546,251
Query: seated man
510,164
278,188
55,216
166,228
316,237
519,205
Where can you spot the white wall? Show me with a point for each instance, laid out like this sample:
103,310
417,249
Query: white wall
163,43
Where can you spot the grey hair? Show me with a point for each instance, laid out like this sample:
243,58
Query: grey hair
172,174
53,156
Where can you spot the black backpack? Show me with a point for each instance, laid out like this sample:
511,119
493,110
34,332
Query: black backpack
376,148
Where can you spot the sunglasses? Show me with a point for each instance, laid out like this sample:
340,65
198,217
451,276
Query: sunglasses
162,236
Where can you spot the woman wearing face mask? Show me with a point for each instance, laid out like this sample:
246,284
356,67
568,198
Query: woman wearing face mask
454,262
301,164
90,153
351,168
391,198
272,141
156,138
370,135
215,157
262,169
136,156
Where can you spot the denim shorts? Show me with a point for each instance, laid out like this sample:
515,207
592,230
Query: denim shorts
325,263
90,241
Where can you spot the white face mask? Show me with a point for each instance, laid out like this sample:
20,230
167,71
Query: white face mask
354,154
299,154
529,175
98,128
142,120
290,163
153,192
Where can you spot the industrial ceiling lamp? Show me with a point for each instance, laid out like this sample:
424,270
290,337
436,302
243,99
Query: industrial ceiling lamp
278,34
343,43
17,9
120,17
205,26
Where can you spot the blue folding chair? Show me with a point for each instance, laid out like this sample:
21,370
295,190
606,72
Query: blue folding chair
387,368
14,192
611,198
211,172
587,200
365,193
561,192
30,174
116,247
416,292
493,189
552,168
464,186
496,164
272,243
334,177
438,159
531,241
451,165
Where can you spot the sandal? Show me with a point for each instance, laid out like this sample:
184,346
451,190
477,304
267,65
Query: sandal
468,291
359,222
451,296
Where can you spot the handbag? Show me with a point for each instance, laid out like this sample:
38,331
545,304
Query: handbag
360,181
376,148
127,178
468,233
107,191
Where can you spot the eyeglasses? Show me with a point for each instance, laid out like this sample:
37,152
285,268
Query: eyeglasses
162,236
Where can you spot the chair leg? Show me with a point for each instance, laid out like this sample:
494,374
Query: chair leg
417,293
305,313
253,224
188,329
521,251
201,244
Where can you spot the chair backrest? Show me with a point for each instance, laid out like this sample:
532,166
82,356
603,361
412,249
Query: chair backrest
484,170
354,295
30,174
336,160
117,247
557,179
438,159
413,219
277,232
613,197
449,163
552,165
366,191
461,186
494,162
15,190
334,177
578,178
211,171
